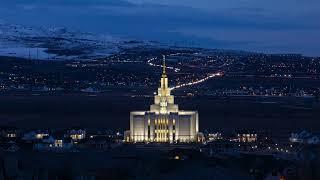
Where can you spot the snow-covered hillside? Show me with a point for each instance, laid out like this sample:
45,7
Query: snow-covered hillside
56,43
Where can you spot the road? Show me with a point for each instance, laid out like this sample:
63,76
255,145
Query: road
192,82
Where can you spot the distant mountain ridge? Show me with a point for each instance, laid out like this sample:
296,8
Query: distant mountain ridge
60,43
57,43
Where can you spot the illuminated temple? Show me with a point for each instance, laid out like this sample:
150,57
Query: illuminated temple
164,122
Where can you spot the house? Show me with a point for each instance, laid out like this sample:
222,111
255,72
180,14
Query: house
35,135
214,136
304,137
41,134
76,134
61,141
56,142
299,137
246,136
9,132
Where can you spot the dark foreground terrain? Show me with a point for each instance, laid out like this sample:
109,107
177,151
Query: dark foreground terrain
145,162
110,112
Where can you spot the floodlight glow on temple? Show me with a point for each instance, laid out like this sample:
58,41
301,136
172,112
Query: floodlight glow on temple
164,122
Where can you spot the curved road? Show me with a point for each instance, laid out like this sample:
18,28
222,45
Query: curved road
211,75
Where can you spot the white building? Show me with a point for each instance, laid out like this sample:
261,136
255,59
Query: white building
76,134
214,136
50,143
35,135
164,122
304,137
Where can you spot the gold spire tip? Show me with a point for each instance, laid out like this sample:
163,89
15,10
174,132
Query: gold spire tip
164,65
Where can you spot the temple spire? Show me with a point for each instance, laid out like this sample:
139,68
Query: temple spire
164,66
164,78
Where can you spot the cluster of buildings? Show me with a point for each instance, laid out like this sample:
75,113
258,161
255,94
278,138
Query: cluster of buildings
76,139
81,140
164,122
241,136
259,91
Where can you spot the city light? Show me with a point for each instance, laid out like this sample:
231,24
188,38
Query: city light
197,82
212,75
150,63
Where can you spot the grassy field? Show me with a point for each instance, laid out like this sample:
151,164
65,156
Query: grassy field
111,112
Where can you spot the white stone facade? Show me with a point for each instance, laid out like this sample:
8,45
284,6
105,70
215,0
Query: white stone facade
164,122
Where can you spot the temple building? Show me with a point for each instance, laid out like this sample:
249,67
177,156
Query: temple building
164,122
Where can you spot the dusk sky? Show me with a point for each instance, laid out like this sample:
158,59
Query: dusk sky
271,26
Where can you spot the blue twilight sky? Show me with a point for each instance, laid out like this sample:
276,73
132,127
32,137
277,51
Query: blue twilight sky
271,26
